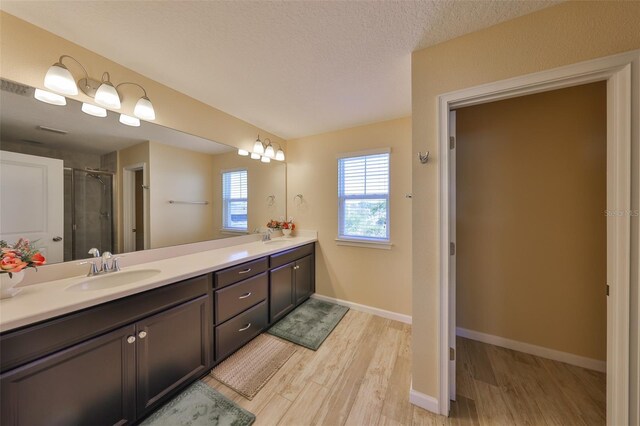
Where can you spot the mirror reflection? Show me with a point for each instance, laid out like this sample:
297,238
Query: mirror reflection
72,182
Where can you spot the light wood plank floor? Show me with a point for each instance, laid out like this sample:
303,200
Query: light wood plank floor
361,376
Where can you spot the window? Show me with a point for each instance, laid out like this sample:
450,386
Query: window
363,197
234,200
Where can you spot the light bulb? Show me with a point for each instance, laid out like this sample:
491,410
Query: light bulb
280,155
50,98
144,109
129,120
94,110
243,152
59,79
255,156
269,152
265,159
107,96
258,147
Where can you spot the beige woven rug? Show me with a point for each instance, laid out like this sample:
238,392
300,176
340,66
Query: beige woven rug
249,369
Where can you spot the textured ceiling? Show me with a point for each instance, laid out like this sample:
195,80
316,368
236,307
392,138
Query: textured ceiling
292,68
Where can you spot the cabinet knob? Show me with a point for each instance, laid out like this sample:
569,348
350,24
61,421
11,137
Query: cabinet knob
246,327
142,334
131,339
296,267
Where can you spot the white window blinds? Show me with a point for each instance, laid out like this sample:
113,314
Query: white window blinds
363,193
234,200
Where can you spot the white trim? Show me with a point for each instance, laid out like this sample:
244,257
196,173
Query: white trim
622,75
362,153
528,348
364,308
422,400
383,245
128,206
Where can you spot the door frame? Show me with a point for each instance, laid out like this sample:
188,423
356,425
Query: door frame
623,115
129,205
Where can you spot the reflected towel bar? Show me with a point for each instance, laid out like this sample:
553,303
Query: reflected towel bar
188,202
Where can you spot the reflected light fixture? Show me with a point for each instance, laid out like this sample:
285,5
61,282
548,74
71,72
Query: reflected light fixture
50,98
255,156
59,79
243,152
265,159
94,110
129,120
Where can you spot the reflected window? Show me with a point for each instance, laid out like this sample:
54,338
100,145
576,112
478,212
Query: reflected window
234,200
363,197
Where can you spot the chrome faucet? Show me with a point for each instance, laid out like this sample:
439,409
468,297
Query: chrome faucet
104,267
266,236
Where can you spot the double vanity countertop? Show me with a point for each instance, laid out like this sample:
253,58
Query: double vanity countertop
38,302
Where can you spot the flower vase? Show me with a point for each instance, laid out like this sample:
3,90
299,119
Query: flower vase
8,283
286,233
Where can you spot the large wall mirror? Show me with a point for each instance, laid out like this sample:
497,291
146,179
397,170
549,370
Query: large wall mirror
72,182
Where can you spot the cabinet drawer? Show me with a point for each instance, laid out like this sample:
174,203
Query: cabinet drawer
241,272
232,300
239,330
291,255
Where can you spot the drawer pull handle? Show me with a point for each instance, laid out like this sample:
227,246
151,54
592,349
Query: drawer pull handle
244,296
131,339
246,327
142,334
245,271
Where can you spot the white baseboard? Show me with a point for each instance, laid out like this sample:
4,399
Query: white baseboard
364,308
580,361
422,400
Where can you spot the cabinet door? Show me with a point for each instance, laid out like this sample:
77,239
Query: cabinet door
281,292
304,278
91,383
173,349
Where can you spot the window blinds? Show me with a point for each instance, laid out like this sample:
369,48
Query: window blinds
363,193
234,200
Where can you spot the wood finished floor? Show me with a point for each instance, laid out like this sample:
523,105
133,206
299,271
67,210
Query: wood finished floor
361,376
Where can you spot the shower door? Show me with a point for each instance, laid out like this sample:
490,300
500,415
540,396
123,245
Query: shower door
92,212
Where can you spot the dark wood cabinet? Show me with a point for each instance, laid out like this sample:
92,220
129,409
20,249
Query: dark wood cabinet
281,292
91,383
173,349
304,278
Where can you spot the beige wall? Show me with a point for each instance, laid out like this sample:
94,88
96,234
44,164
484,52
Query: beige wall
531,231
136,154
263,180
560,35
28,51
374,277
180,175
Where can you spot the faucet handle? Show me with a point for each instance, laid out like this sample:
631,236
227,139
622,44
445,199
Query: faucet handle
94,267
115,264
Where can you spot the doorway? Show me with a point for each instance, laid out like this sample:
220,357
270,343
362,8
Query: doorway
618,73
135,222
530,258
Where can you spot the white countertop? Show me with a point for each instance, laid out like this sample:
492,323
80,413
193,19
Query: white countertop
50,299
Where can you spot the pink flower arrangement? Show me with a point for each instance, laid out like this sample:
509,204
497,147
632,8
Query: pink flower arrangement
19,256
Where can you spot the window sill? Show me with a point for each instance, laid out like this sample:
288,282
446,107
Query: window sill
382,245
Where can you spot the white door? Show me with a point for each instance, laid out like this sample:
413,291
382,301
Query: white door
32,202
452,255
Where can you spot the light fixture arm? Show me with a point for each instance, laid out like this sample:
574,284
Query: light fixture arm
133,84
86,74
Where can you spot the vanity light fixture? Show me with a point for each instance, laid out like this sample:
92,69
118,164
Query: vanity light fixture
50,98
280,155
267,151
59,79
94,110
258,148
243,152
255,156
265,159
129,120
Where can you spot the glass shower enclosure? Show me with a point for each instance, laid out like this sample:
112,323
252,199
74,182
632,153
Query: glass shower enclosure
88,212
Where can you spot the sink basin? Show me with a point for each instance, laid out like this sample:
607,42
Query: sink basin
114,279
275,242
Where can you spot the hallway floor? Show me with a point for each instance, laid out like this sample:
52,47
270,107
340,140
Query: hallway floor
362,373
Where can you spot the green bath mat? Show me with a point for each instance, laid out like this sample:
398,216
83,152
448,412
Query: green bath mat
310,323
200,405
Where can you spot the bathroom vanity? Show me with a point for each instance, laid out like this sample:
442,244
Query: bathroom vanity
130,348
